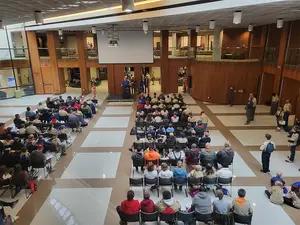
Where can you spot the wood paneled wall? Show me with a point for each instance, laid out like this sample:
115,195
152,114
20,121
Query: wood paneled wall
274,35
258,42
290,90
238,37
164,58
267,87
212,80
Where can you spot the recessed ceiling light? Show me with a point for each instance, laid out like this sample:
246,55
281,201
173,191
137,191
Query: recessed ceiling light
51,10
62,8
295,10
89,2
75,5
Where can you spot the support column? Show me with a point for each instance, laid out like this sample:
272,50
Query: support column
217,46
193,43
57,74
85,77
35,62
174,43
281,55
164,40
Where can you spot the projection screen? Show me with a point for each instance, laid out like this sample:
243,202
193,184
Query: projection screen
134,47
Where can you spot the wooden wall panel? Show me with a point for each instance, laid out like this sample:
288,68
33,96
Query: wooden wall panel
238,37
35,62
290,90
269,69
110,79
258,42
118,76
47,74
16,63
164,61
295,34
211,80
274,35
68,64
291,72
267,87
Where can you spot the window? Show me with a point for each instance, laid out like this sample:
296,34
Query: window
184,41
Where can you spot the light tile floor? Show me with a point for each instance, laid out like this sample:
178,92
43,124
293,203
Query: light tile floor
240,168
195,109
236,109
4,120
117,110
257,137
278,164
10,112
120,103
26,101
112,122
104,139
217,139
92,165
62,207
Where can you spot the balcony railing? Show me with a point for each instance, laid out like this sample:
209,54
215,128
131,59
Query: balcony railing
271,55
293,57
43,52
91,53
67,53
13,53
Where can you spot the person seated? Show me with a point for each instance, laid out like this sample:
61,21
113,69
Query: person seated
161,130
179,172
210,171
51,130
17,144
168,99
79,115
3,130
74,119
208,156
137,155
154,100
45,117
205,139
69,101
166,119
224,172
164,111
168,205
37,158
29,113
4,173
139,119
8,140
147,106
18,121
142,98
150,173
140,112
37,120
278,177
175,118
30,140
147,205
50,103
40,106
177,155
292,198
161,97
157,119
25,155
128,206
60,147
77,105
63,133
220,207
191,119
225,156
31,129
149,138
170,129
240,205
151,131
196,172
22,129
192,156
276,193
182,139
20,178
156,113
165,172
176,106
193,139
149,119
86,110
63,113
201,203
199,128
148,98
151,155
171,140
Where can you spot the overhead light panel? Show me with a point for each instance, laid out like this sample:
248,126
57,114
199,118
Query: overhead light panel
189,31
237,17
127,5
197,29
212,24
103,32
60,32
94,30
250,27
280,23
38,16
1,25
145,26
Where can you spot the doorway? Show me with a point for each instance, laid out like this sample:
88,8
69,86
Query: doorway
182,80
99,79
155,78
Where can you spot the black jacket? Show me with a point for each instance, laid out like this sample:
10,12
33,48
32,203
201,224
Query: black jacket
225,157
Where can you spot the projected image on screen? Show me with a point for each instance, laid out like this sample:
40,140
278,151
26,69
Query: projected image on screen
132,47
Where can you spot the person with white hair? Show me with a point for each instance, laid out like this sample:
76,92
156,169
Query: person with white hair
226,155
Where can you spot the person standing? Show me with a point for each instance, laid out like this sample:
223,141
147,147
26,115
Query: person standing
146,83
286,113
267,148
292,143
248,108
231,96
254,106
274,104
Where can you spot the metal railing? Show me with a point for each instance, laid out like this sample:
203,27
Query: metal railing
271,55
293,57
67,53
91,53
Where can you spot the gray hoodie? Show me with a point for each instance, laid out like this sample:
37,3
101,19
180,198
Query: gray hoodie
202,203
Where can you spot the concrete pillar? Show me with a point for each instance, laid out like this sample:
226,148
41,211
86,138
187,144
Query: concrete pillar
174,43
217,46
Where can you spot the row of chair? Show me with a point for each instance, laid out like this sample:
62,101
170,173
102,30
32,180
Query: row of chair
185,217
164,124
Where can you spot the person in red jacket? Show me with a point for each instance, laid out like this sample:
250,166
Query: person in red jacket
128,207
147,205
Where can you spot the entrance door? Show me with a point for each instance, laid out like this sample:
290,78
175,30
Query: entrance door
47,80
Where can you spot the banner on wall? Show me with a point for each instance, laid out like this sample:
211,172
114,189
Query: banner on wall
11,82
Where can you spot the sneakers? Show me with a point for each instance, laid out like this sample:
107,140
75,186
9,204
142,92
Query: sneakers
289,160
246,123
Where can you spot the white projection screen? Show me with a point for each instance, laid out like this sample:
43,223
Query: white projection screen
134,47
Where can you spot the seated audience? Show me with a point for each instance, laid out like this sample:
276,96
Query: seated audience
8,140
170,129
196,172
151,155
193,139
199,128
179,172
17,144
151,173
147,205
157,119
276,193
38,158
20,177
29,113
18,121
191,119
161,138
208,156
51,130
62,112
292,198
278,177
86,110
37,120
137,155
40,106
193,156
165,172
182,139
210,171
3,130
221,206
240,205
60,147
25,155
168,205
175,118
22,129
224,172
128,206
205,139
171,140
161,130
31,129
201,202
225,156
177,155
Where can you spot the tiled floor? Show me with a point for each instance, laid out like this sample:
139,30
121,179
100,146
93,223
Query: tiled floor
112,122
240,168
117,110
104,139
236,109
195,109
10,112
217,139
92,165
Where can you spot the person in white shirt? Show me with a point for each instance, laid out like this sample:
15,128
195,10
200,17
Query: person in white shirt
150,172
182,139
175,118
224,172
267,148
63,113
158,119
177,155
165,172
37,120
22,129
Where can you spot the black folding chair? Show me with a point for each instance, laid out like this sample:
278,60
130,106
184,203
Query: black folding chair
165,182
181,182
209,182
164,160
242,219
167,217
205,218
131,218
149,217
138,145
136,182
192,181
185,217
137,163
225,182
151,182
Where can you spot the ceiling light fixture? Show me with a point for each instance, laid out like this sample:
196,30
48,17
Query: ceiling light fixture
60,32
145,26
94,30
89,2
250,27
103,32
128,5
197,29
189,31
73,5
279,23
237,17
38,16
1,25
212,24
